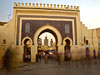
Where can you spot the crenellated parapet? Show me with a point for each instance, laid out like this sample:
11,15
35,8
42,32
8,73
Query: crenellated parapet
52,6
83,25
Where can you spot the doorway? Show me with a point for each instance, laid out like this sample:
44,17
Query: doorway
27,51
67,53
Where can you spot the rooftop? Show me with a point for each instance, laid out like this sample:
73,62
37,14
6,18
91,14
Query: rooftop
46,6
2,23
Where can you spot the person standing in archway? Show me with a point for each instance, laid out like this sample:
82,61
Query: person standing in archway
29,54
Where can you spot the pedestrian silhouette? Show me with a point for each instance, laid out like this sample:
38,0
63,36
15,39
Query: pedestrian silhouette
7,60
94,53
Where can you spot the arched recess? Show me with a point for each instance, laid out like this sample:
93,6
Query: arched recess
27,43
68,39
25,39
47,27
50,32
67,42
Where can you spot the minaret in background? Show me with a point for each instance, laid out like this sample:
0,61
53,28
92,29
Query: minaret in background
46,41
51,43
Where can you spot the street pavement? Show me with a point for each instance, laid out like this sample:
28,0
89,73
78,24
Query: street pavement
83,67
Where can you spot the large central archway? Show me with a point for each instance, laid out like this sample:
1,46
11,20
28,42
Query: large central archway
47,45
59,37
52,30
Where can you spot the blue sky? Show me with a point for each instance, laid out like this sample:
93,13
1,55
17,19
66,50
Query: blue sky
89,9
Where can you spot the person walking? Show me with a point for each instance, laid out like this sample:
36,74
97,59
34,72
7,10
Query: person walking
39,56
46,58
87,53
94,53
7,59
99,53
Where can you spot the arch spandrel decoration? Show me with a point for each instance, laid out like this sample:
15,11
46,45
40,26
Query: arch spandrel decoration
59,37
68,39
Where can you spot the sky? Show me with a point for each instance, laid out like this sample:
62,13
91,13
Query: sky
89,9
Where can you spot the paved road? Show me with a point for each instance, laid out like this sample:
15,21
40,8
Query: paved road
53,68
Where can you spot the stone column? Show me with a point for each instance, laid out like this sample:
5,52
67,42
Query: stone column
33,53
20,53
61,52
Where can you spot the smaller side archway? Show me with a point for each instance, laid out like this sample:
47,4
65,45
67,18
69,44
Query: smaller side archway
64,42
27,43
67,42
28,38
